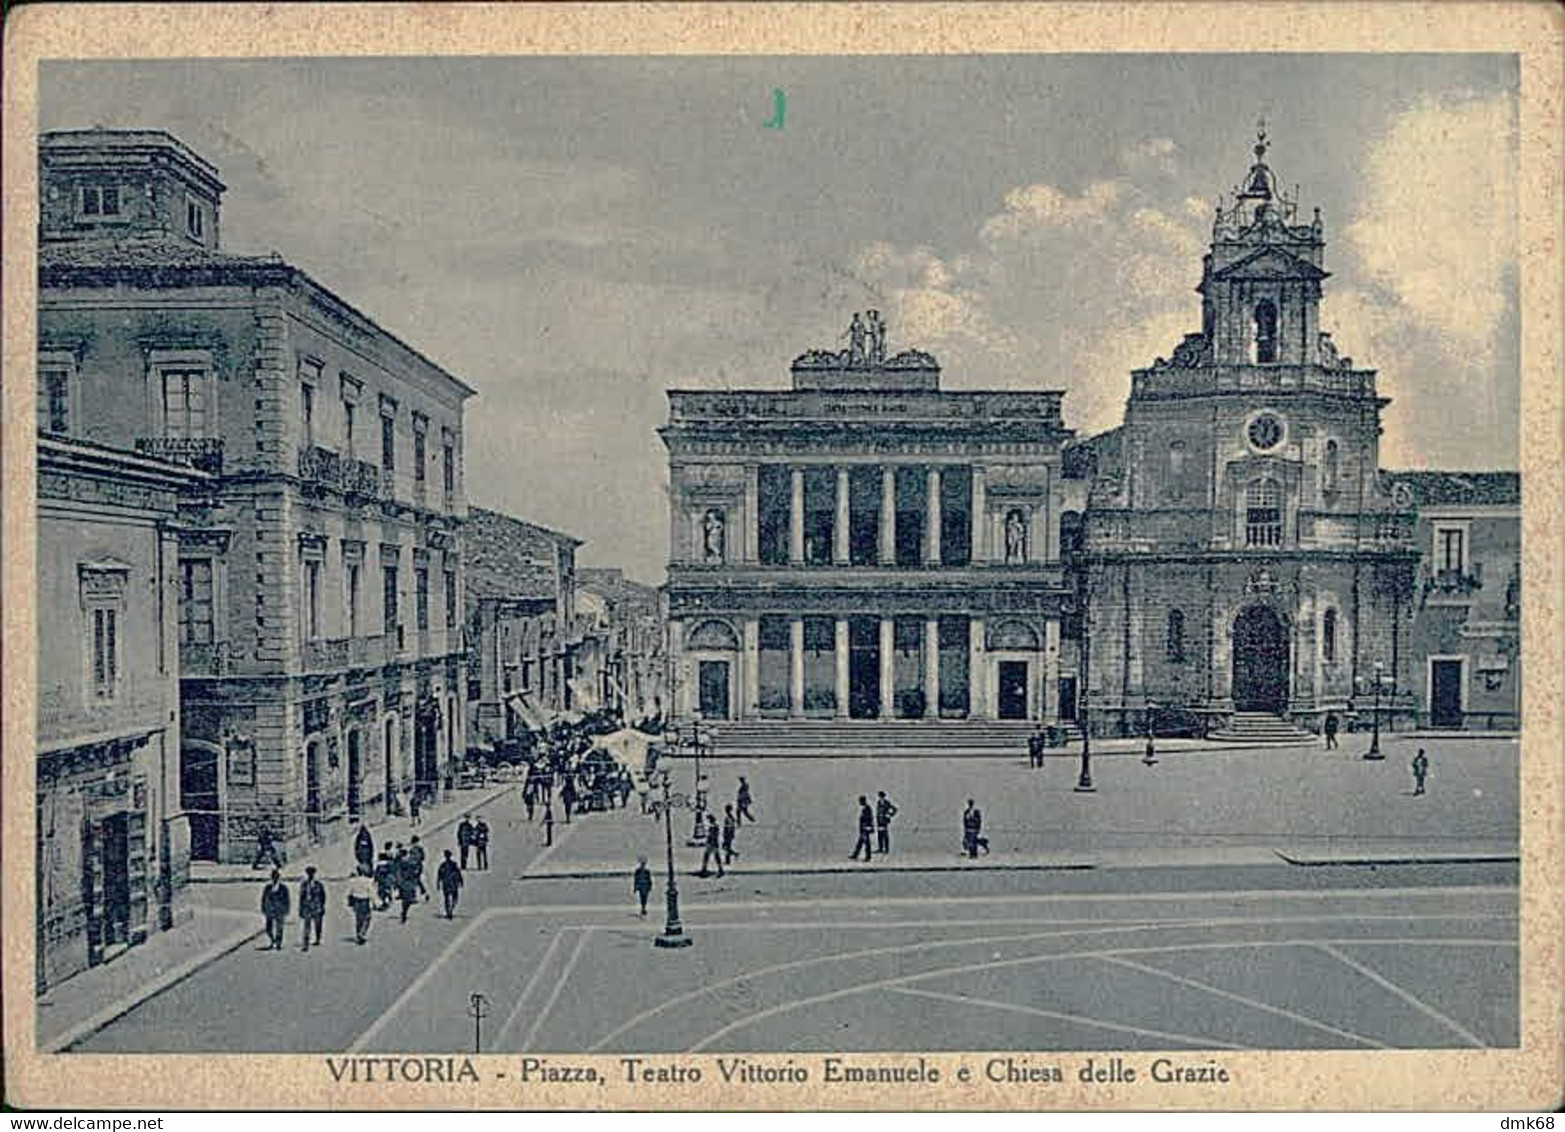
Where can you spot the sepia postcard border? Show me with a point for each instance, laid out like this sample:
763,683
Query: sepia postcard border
1529,1078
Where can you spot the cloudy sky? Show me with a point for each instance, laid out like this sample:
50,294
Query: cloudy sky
575,236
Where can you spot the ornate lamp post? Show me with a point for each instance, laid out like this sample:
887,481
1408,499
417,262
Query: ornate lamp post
1083,605
673,931
1374,741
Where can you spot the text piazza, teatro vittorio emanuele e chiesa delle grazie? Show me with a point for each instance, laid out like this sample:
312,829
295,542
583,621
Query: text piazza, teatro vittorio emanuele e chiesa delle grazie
870,546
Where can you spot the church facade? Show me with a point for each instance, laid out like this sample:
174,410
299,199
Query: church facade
1242,552
865,545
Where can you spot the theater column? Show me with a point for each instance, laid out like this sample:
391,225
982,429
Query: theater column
839,526
842,668
752,513
888,516
796,516
888,668
932,517
796,668
750,706
978,520
931,669
977,671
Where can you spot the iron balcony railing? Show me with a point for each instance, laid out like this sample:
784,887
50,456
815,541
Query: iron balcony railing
203,453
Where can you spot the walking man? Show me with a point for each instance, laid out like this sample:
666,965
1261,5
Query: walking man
730,824
742,801
866,827
406,881
415,804
448,878
641,882
1330,729
464,837
274,906
548,823
1035,749
712,852
382,876
312,906
416,863
885,810
1420,770
972,830
364,847
568,795
481,842
529,795
266,847
361,891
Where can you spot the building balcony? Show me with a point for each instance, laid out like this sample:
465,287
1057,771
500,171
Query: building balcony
326,656
203,453
1453,584
363,479
206,659
320,466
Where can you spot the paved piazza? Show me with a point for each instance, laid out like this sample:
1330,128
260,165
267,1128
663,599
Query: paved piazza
1112,921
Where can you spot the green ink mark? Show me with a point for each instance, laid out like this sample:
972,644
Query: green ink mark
779,113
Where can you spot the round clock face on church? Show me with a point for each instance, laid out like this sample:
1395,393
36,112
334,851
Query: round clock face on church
1265,432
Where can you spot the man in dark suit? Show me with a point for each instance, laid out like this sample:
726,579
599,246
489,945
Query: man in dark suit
885,810
866,827
448,878
312,905
274,906
464,838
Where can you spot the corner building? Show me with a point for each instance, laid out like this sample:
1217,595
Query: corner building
319,570
865,546
1242,554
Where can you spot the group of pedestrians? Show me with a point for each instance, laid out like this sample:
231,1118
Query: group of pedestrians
876,821
396,873
717,840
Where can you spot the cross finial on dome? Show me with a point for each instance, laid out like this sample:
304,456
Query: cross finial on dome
1260,139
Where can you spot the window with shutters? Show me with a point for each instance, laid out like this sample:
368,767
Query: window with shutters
104,628
1263,513
195,601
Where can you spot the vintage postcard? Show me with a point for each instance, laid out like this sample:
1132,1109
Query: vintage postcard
783,557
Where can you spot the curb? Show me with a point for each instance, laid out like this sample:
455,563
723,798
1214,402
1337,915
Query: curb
823,870
123,1006
1425,859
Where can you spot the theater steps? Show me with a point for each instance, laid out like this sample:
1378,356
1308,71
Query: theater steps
849,736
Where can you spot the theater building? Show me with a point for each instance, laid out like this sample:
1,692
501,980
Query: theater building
865,545
1244,558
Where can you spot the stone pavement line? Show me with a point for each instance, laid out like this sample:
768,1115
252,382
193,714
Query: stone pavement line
1244,1000
559,986
423,979
1060,1016
162,982
1405,995
931,945
527,991
969,968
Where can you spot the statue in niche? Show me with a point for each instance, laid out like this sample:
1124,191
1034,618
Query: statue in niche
1015,536
712,530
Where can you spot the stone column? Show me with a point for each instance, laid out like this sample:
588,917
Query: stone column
752,513
977,671
839,527
750,705
842,668
980,521
888,668
932,519
796,516
888,516
1051,670
796,667
931,669
676,661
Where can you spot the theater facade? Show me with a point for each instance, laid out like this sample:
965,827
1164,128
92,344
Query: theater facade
866,545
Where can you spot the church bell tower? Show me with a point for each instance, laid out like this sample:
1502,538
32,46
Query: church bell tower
1261,281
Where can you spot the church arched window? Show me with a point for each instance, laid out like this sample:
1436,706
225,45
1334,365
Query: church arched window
1174,648
1328,636
1328,471
1263,513
1265,331
1176,459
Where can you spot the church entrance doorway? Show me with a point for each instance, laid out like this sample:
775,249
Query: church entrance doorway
1260,661
1013,689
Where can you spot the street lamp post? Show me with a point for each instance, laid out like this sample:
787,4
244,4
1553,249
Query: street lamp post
1374,741
1084,779
673,931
